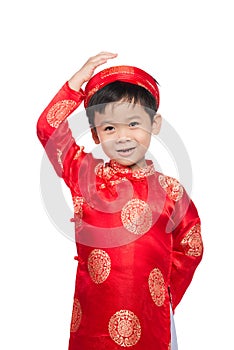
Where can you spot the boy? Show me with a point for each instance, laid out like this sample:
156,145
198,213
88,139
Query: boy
137,232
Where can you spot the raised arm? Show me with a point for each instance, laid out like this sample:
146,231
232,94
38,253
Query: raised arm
52,127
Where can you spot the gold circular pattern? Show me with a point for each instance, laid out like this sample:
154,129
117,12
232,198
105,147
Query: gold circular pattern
157,286
124,328
172,187
192,242
59,111
76,316
99,265
136,216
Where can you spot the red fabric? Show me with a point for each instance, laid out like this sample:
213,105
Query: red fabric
128,74
138,241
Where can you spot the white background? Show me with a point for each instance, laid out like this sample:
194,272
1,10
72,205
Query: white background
188,47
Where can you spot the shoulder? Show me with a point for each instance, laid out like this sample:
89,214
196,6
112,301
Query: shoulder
171,186
83,168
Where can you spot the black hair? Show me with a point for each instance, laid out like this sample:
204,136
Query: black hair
118,91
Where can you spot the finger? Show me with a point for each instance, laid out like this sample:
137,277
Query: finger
103,55
107,53
100,59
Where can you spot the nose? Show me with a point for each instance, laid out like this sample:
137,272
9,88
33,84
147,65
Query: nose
123,135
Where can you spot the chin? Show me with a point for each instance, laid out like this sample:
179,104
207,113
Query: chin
124,162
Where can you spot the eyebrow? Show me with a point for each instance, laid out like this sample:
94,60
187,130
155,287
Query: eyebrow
105,122
134,117
113,122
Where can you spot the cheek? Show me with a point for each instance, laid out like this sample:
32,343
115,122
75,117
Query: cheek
106,139
107,145
144,138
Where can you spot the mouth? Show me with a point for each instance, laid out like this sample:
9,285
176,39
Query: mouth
126,151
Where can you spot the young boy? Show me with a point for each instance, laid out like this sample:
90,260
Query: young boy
137,232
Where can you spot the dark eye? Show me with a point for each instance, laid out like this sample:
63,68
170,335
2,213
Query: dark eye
109,128
133,124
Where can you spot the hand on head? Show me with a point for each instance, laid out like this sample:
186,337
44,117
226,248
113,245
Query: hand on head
87,70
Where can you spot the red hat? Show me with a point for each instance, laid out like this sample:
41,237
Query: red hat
127,74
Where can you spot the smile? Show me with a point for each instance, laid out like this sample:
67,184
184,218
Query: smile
126,151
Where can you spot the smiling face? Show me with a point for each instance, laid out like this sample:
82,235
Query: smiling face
124,131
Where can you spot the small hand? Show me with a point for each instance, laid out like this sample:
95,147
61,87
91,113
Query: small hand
87,70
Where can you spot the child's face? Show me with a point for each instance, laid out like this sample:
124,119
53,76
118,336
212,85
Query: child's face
124,131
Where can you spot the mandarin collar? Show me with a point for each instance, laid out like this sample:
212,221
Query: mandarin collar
113,170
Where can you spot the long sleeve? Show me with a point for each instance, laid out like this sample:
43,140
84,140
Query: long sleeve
187,247
54,133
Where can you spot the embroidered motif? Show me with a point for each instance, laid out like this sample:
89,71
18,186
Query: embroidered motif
59,157
136,216
124,328
139,174
192,242
114,182
172,187
78,205
76,316
99,265
108,171
116,70
78,209
59,111
157,287
92,91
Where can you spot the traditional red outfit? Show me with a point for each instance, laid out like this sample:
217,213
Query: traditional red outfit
138,241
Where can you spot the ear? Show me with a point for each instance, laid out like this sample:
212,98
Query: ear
157,122
95,136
